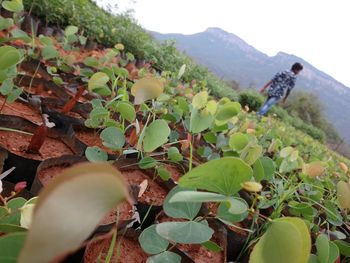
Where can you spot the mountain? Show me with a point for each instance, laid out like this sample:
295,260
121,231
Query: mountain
232,58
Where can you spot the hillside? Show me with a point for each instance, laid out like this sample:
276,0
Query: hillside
232,58
103,159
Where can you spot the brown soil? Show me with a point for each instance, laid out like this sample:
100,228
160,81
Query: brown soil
126,251
45,176
90,138
176,172
21,110
154,194
17,143
125,213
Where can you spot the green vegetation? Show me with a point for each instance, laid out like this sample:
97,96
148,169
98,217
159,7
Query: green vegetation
109,30
274,183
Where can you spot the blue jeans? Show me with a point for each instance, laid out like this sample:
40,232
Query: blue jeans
268,104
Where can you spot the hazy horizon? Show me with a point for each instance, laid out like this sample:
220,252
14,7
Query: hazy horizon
314,30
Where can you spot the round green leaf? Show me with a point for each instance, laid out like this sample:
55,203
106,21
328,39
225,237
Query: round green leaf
227,111
91,62
258,170
230,213
13,6
223,176
200,100
70,30
9,56
251,154
156,135
96,154
286,240
269,167
5,23
113,138
165,257
151,242
238,141
98,80
186,210
146,89
344,247
185,232
49,52
333,252
343,194
70,208
322,245
126,110
200,120
147,162
174,154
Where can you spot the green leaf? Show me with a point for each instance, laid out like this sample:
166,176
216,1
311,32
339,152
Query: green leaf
9,56
185,232
186,210
47,41
238,141
286,240
91,62
231,213
6,87
227,111
269,167
344,247
49,52
343,194
126,110
147,162
5,23
333,252
13,6
200,100
14,94
95,154
10,247
235,205
113,138
156,135
163,173
146,88
165,257
174,154
151,242
313,259
98,80
70,208
200,120
223,176
181,71
70,30
20,34
210,245
210,137
10,228
258,169
285,152
251,154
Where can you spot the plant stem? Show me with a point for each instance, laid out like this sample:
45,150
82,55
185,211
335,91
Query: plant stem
191,157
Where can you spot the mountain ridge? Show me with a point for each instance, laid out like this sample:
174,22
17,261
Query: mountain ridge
232,58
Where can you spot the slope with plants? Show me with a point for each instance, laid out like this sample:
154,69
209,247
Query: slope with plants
207,181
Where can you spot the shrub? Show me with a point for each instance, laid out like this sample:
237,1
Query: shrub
251,98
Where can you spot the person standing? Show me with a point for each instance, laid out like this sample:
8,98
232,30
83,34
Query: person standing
282,83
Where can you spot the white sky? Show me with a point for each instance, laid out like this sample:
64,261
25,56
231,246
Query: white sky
315,30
